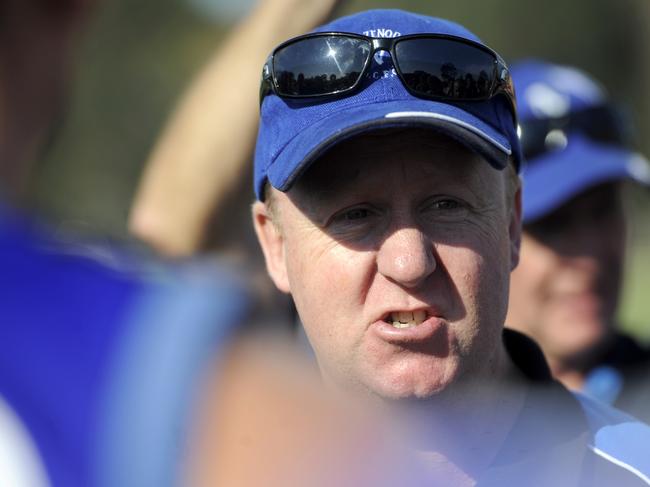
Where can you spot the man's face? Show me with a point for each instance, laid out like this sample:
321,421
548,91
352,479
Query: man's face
396,227
565,291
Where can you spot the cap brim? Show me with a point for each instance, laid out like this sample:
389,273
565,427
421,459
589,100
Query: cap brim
554,178
316,139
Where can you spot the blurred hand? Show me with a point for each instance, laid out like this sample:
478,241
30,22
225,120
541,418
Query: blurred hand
301,15
204,154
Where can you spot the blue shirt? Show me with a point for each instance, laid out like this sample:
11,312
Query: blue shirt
99,352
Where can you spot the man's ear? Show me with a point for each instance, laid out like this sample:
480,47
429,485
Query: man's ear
514,229
272,243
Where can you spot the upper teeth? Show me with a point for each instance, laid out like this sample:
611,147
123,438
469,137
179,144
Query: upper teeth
407,319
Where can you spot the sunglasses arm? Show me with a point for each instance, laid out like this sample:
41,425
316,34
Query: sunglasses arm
507,86
266,85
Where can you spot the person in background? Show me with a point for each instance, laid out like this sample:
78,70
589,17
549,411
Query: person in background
194,191
565,291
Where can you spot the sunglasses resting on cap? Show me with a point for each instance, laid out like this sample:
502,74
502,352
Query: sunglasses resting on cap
431,66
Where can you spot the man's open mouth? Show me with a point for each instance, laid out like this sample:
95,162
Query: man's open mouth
406,319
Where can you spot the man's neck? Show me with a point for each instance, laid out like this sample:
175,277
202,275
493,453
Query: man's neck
459,433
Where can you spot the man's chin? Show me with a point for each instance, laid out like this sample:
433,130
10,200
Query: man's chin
412,386
410,395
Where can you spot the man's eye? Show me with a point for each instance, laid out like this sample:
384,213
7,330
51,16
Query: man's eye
445,205
444,209
356,214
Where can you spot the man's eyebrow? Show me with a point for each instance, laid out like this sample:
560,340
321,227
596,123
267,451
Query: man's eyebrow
314,195
329,182
315,201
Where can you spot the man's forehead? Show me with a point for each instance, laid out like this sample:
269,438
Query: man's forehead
385,152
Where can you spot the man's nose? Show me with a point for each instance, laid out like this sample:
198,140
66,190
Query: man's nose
406,257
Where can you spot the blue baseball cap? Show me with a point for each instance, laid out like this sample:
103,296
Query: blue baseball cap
295,132
574,161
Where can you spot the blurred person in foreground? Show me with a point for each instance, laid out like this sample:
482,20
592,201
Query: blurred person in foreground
201,160
565,291
193,195
389,209
116,370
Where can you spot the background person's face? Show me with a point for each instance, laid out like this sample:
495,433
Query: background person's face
401,222
565,291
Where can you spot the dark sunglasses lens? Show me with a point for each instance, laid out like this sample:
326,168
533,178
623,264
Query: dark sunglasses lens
320,65
445,68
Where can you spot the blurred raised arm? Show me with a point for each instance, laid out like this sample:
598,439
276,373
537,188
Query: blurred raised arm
206,146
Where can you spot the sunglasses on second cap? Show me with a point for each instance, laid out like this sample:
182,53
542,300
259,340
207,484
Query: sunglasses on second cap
604,123
431,66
